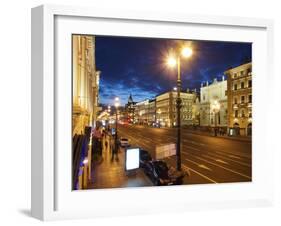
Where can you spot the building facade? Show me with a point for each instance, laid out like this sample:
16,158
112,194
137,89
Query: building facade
151,112
85,83
145,112
213,108
130,110
239,82
196,111
141,112
166,110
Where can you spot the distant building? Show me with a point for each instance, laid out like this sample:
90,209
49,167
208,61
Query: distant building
151,112
145,112
196,111
166,110
142,112
85,83
239,82
210,94
130,110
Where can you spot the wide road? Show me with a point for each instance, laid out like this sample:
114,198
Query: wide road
209,159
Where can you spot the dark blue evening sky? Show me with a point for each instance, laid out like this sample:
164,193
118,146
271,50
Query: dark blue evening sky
137,65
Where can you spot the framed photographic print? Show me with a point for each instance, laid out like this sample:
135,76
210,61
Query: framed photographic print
137,112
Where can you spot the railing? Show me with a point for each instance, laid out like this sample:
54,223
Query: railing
79,153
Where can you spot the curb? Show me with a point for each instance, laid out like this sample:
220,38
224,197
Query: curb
224,137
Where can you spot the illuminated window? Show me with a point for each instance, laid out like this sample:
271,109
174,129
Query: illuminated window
249,71
242,99
250,98
249,83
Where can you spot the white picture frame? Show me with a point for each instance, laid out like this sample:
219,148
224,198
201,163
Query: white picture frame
51,199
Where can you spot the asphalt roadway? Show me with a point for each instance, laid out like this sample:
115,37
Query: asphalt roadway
209,159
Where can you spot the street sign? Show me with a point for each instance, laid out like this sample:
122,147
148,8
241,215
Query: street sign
132,159
166,150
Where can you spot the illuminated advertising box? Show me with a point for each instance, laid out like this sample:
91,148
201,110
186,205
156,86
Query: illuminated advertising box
132,159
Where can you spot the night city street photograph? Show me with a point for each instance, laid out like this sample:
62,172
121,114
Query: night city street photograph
160,112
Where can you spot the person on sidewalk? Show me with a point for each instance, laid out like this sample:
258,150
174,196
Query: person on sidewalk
114,149
96,141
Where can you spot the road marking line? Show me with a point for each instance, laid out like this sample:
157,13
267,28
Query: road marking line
196,149
221,161
233,156
217,160
227,158
199,165
233,171
200,174
221,155
236,155
193,142
204,167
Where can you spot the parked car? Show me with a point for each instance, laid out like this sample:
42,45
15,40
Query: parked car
144,157
124,142
160,174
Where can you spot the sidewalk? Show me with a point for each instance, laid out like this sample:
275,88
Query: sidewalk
111,174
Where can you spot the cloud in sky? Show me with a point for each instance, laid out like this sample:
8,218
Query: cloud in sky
136,65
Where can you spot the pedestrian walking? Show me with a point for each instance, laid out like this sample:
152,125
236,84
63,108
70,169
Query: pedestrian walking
96,141
114,149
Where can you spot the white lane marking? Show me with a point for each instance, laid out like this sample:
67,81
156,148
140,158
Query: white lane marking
221,156
196,149
233,156
193,142
221,161
230,170
199,165
204,167
200,174
215,155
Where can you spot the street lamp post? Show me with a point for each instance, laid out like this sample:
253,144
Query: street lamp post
215,124
172,62
216,109
178,117
116,118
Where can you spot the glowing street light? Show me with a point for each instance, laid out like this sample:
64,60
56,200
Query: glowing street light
116,104
172,61
186,52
